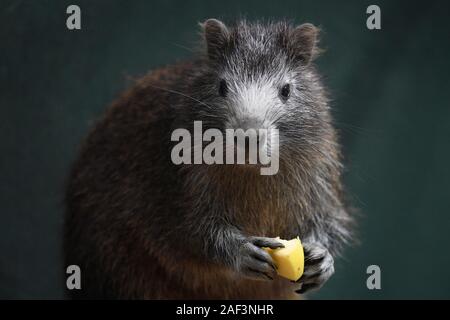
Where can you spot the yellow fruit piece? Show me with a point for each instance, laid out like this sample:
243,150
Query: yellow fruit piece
290,259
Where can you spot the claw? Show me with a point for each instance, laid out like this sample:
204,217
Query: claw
306,287
264,242
256,262
319,266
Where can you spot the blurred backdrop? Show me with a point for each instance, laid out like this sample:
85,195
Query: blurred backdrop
390,90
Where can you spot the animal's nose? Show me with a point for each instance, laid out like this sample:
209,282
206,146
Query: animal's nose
252,128
249,123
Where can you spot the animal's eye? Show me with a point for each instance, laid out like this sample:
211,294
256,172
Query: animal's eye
223,88
285,92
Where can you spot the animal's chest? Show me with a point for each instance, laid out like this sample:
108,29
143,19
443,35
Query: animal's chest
260,214
258,205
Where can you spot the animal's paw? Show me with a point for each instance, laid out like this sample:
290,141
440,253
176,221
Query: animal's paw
319,267
253,261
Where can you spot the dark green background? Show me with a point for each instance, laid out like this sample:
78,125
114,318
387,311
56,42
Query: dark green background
390,92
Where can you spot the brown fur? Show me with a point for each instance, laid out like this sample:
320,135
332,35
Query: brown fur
141,227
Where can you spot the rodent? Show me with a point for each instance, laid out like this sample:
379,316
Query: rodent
141,227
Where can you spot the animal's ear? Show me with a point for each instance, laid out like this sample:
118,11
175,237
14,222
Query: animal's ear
217,36
304,39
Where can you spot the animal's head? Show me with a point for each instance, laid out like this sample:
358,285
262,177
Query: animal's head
261,76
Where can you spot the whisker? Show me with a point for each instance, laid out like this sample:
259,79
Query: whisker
181,94
183,47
